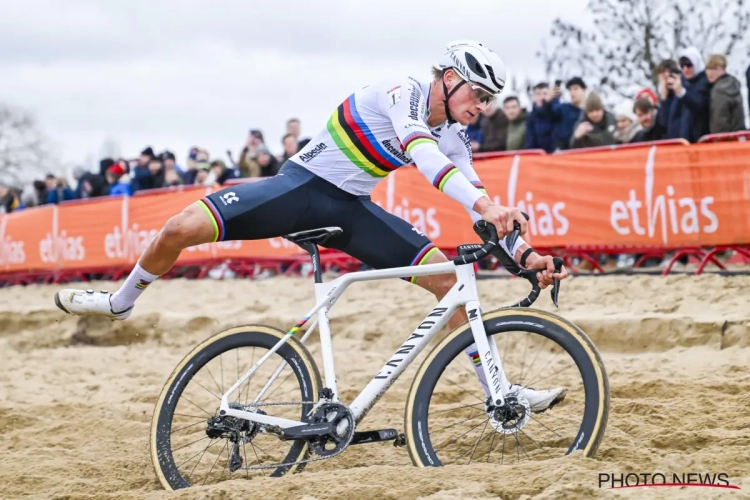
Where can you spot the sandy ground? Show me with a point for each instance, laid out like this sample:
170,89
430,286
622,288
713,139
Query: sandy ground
74,417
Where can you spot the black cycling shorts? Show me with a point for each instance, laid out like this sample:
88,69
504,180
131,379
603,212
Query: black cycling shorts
298,200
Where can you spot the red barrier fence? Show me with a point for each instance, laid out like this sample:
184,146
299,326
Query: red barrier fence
650,199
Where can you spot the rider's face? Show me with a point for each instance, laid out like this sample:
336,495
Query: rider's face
466,103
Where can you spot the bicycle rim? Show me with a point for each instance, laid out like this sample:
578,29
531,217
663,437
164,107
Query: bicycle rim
437,419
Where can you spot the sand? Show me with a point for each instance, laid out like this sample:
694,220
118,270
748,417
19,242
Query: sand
76,397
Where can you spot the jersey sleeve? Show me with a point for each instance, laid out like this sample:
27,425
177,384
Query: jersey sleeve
406,106
462,158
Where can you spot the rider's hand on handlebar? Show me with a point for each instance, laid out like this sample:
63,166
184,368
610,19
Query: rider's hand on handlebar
546,266
502,217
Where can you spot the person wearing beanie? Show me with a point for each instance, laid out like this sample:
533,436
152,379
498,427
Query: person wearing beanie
627,122
649,94
118,180
596,126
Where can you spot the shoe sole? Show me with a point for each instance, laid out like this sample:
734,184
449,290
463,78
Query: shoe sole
558,399
58,303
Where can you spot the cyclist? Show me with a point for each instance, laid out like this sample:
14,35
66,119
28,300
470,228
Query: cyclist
374,131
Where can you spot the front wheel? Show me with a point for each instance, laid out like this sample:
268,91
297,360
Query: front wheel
449,419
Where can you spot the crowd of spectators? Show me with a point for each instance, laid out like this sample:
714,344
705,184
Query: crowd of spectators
117,177
693,98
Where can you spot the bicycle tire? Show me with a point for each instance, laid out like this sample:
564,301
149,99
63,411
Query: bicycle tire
302,363
564,333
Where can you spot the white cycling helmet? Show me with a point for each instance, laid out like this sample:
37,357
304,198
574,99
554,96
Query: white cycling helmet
475,64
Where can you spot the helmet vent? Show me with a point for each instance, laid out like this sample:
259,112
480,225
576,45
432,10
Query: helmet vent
474,65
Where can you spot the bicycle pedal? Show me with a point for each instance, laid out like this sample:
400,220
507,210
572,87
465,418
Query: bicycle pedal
374,436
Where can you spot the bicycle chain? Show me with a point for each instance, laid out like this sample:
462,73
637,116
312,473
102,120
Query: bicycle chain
299,462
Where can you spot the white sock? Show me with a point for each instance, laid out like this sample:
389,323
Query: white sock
136,282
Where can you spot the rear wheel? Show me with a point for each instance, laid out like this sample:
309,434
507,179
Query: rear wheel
192,444
449,420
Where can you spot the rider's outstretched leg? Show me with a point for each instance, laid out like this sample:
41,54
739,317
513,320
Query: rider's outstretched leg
195,225
440,285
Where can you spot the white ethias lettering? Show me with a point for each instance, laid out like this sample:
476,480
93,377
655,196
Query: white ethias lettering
11,252
58,246
127,243
423,220
666,213
544,219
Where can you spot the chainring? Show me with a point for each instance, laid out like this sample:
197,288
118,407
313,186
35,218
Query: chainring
338,414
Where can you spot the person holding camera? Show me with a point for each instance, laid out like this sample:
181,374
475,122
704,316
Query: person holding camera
566,115
684,93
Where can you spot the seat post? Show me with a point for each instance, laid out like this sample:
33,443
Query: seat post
312,249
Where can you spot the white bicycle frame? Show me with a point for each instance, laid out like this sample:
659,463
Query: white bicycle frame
463,293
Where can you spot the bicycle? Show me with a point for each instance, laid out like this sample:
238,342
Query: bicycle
318,426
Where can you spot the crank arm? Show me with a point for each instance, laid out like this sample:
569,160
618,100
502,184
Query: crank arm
374,436
307,431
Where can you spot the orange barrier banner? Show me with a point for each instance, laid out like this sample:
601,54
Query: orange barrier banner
661,196
658,196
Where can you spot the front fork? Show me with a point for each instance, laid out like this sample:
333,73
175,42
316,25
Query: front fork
487,362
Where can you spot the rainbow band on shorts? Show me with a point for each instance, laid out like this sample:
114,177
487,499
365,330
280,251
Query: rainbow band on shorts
213,214
423,256
299,325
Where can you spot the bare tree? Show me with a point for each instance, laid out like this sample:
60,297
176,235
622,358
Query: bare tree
630,37
23,148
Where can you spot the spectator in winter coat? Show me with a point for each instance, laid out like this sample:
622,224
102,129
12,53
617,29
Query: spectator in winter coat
628,125
646,112
8,200
221,172
494,128
269,165
691,95
596,126
90,185
566,114
474,133
118,180
673,116
58,190
540,129
291,147
140,171
516,124
727,111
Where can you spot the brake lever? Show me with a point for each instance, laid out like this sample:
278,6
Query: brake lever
555,292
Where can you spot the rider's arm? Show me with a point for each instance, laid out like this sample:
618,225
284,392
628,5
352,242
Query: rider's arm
406,108
461,156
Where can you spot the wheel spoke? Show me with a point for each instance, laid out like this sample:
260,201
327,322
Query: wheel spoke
201,458
215,461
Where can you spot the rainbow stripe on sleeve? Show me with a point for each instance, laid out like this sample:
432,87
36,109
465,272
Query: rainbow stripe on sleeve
479,186
417,138
442,177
